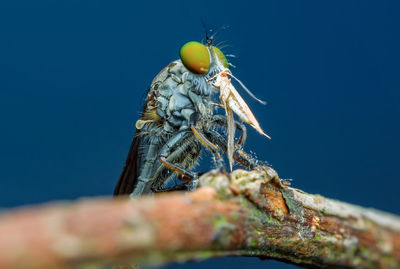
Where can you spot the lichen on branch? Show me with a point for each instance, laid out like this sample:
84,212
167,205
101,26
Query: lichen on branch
241,214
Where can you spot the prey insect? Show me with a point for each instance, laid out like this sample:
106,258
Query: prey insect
231,101
179,120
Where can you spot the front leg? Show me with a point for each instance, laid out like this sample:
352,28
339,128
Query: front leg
218,160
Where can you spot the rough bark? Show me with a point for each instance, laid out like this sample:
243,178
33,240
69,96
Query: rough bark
244,214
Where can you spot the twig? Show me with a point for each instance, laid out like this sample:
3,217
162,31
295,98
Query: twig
248,214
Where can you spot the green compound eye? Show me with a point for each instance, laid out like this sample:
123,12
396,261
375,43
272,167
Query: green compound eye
221,56
195,57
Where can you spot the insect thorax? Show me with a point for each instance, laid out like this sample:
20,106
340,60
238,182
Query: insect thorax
176,98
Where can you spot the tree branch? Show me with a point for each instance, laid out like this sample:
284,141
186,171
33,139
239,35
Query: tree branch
248,214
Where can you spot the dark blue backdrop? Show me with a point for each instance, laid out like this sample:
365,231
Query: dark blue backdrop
72,76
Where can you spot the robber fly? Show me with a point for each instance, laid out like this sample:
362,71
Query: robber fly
179,119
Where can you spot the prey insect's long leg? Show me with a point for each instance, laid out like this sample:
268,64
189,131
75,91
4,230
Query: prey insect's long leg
220,120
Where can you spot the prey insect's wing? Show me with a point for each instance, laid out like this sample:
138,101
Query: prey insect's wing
130,173
250,118
233,102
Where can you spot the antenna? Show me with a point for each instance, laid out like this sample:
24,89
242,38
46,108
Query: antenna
208,31
247,90
209,39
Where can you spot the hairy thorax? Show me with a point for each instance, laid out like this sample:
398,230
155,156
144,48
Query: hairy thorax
178,98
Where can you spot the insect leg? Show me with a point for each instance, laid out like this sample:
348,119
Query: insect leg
241,157
177,169
146,177
172,142
220,120
191,184
145,173
219,163
178,187
180,160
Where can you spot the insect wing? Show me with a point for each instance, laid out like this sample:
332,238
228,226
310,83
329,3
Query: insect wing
130,173
136,157
244,108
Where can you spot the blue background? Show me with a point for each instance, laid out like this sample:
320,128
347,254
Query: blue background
73,73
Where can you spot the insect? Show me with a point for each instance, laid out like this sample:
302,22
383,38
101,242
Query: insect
231,101
179,119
